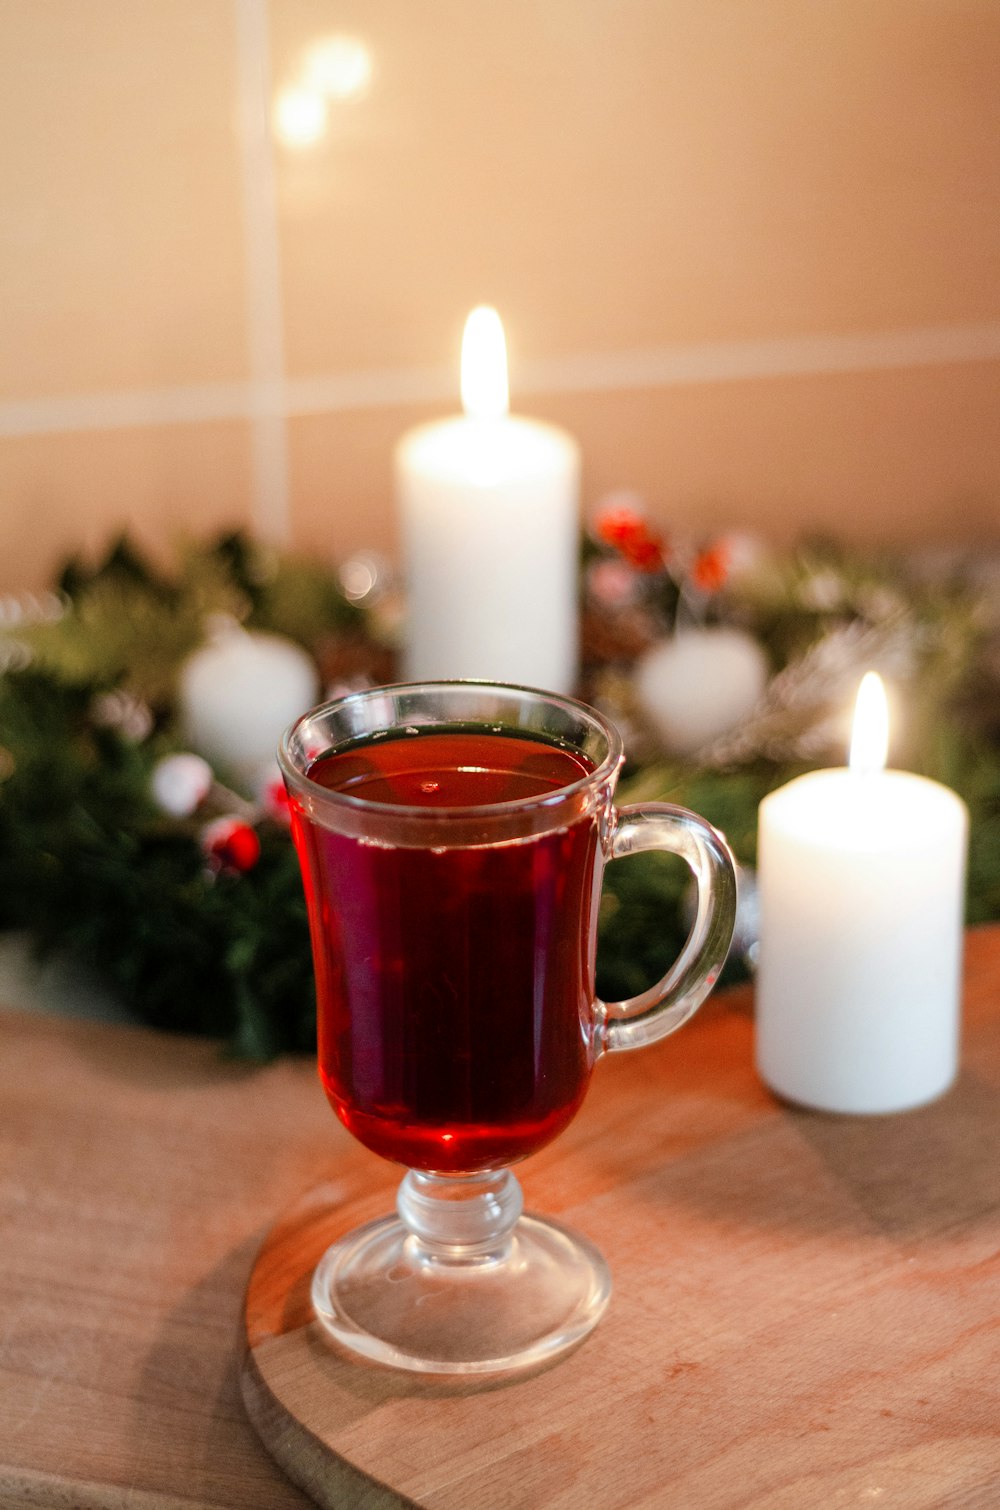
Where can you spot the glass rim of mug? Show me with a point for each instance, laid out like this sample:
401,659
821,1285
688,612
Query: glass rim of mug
326,798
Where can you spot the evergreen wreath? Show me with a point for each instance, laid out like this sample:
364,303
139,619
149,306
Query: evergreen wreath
119,847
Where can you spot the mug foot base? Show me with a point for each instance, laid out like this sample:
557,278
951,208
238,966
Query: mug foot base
383,1294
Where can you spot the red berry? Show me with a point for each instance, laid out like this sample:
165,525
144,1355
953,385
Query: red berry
711,568
627,531
231,844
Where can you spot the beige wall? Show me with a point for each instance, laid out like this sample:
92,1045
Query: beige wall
747,250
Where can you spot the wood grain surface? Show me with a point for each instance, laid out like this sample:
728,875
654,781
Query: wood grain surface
806,1308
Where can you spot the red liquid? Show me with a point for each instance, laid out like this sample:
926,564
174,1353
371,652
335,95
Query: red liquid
454,988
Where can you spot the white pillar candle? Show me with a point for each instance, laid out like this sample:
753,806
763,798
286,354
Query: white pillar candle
489,516
861,885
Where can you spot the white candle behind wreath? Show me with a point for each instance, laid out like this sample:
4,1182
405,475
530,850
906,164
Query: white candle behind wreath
489,515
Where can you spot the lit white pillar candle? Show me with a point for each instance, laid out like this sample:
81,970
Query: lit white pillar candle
489,516
861,885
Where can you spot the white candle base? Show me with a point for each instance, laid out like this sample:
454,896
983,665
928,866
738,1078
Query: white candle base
859,969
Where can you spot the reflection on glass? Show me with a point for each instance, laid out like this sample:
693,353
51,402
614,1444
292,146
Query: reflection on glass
361,574
300,116
338,67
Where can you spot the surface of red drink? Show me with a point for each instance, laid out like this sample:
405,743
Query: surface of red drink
454,984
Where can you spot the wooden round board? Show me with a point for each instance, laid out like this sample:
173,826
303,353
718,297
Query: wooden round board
804,1307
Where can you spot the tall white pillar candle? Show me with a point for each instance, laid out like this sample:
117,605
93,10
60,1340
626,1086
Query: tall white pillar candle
861,886
489,517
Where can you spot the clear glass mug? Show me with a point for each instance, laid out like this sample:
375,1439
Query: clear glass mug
452,838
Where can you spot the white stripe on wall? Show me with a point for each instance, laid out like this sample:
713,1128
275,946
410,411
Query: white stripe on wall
268,400
792,356
264,402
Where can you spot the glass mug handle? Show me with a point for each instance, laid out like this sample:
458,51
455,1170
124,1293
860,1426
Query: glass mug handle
665,1007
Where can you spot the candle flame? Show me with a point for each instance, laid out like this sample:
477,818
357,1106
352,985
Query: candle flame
484,365
870,739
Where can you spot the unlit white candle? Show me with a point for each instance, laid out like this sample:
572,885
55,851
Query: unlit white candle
861,885
489,515
239,692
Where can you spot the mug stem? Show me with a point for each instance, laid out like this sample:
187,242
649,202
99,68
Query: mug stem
460,1219
461,1282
